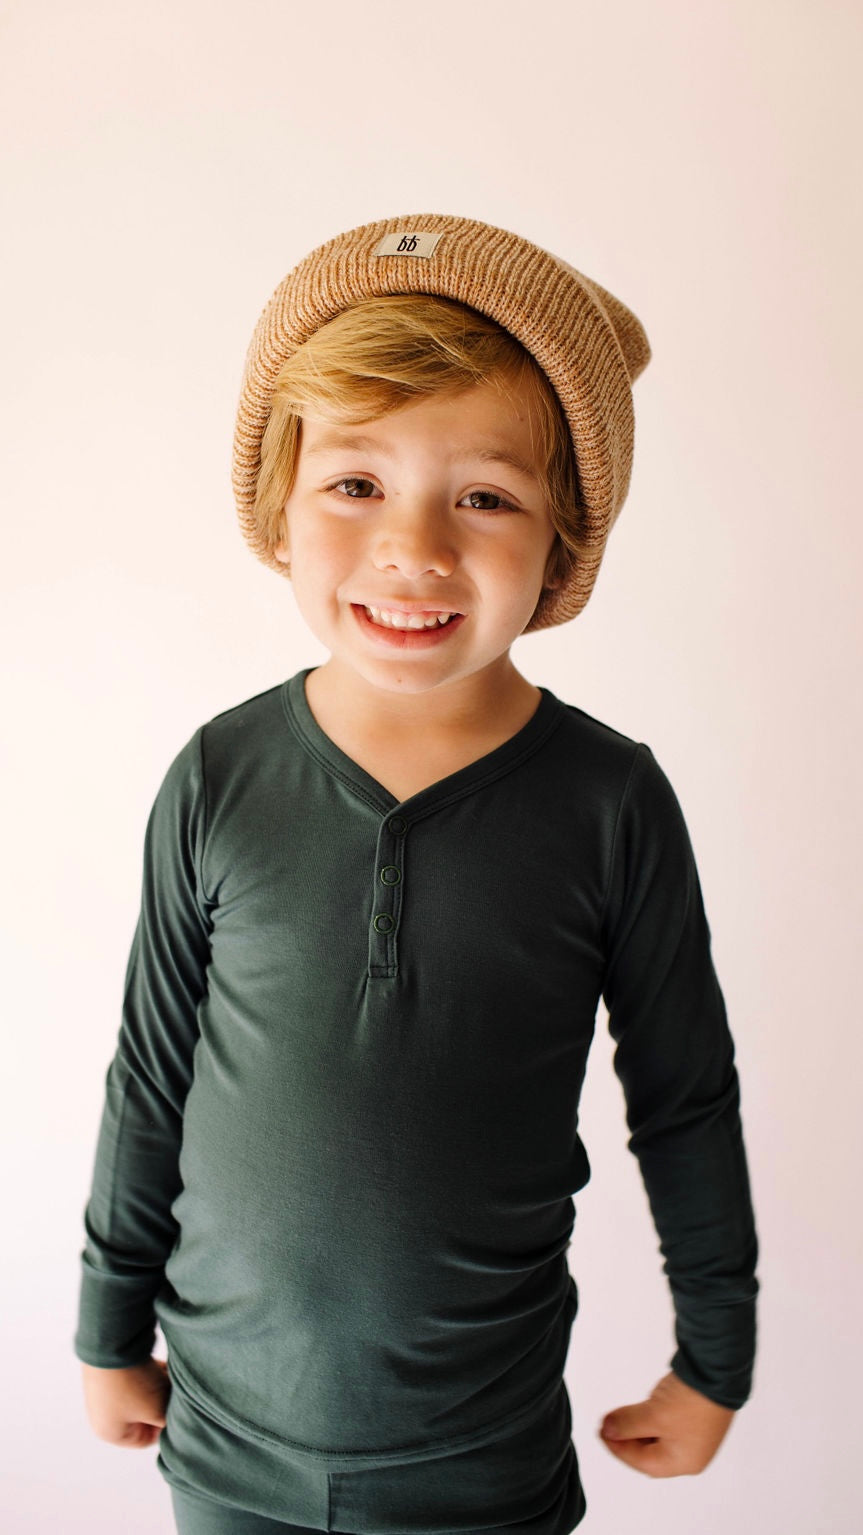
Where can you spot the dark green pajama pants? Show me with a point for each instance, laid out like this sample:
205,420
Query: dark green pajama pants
196,1515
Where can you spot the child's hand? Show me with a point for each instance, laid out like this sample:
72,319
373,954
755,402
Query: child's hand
676,1432
127,1407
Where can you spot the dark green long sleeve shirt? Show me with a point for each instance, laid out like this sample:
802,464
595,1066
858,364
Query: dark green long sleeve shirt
339,1141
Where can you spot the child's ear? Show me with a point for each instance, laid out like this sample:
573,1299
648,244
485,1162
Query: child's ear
281,549
555,576
552,583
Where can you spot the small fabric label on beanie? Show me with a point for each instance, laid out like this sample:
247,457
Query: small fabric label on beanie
413,243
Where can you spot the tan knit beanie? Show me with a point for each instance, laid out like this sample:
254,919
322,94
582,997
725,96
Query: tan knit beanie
589,344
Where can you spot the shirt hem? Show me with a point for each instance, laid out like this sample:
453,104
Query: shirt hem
334,1458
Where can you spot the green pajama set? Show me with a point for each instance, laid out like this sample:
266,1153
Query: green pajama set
339,1140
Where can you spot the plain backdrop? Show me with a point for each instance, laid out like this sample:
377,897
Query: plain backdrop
163,167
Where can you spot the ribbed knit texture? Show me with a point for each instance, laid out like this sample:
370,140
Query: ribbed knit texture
588,343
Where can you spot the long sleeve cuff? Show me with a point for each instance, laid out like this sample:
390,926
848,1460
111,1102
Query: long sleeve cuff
116,1319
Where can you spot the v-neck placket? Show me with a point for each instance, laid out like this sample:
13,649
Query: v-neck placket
397,817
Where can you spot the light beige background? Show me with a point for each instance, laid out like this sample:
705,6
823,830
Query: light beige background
163,167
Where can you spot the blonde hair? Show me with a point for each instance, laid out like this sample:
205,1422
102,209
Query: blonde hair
383,353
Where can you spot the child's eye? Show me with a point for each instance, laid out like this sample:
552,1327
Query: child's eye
352,481
495,497
357,480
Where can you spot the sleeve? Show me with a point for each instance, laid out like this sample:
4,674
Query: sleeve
675,1059
130,1230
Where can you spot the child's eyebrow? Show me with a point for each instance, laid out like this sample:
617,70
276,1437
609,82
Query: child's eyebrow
490,453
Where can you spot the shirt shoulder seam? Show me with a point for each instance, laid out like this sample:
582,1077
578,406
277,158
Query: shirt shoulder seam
199,853
640,747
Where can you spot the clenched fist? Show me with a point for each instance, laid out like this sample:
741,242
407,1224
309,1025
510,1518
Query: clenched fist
127,1406
676,1432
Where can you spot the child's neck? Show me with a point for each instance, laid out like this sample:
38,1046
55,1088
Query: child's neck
409,741
471,707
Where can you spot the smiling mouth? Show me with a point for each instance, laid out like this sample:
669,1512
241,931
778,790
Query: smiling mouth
393,619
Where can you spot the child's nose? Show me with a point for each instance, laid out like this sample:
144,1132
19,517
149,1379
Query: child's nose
415,537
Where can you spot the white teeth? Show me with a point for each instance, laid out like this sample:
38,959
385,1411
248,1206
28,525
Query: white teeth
407,620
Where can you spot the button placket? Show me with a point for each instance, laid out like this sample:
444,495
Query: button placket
387,897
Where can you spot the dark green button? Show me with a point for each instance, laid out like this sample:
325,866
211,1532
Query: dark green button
383,923
398,824
390,874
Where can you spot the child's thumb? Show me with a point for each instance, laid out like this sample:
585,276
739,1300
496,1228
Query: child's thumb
151,1417
156,1407
633,1422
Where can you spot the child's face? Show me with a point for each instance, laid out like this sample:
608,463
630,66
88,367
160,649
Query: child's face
417,519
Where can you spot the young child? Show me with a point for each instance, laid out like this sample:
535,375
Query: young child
381,902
